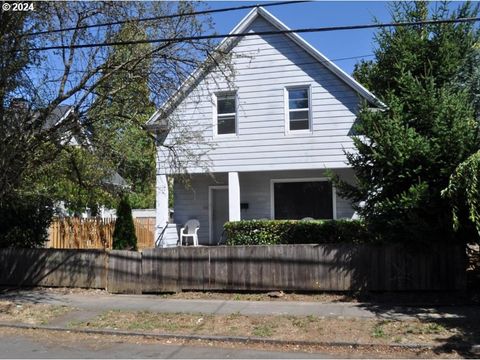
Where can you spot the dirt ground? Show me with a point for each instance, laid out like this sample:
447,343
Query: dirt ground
294,328
34,314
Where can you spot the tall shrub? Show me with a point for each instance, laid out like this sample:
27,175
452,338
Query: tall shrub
124,237
407,151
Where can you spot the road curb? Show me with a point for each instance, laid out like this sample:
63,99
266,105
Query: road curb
241,339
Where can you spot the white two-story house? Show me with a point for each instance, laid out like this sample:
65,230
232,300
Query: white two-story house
264,136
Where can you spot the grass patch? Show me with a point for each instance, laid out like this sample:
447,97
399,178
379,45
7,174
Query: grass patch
282,327
425,329
263,330
35,314
378,330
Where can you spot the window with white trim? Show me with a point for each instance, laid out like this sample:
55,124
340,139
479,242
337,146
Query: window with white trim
226,113
299,108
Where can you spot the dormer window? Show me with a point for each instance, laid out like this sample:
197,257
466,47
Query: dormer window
226,113
298,106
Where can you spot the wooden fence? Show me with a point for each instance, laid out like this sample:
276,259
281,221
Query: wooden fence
95,233
145,231
236,268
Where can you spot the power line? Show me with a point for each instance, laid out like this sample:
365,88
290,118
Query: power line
161,17
272,32
261,67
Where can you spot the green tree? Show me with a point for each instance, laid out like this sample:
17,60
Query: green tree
24,217
122,107
463,190
33,157
81,180
73,76
468,78
124,237
407,151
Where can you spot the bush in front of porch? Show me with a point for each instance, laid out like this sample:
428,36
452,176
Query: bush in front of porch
273,232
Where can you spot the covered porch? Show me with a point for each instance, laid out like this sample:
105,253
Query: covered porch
216,198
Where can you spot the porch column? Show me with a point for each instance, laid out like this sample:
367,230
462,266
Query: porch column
162,213
233,197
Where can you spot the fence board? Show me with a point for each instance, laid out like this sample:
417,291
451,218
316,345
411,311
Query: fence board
160,270
237,268
45,267
96,233
124,272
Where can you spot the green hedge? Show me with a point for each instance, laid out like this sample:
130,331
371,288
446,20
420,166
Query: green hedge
271,232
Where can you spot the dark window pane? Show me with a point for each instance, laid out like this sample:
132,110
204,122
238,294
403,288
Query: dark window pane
299,125
298,115
298,104
297,200
225,105
298,94
226,125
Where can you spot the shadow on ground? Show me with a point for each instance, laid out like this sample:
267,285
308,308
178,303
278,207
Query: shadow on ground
26,295
456,299
457,312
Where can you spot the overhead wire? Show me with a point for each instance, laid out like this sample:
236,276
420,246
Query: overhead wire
162,17
257,33
298,64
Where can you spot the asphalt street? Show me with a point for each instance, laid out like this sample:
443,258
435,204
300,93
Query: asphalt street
15,347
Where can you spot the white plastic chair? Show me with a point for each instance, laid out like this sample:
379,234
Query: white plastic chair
190,230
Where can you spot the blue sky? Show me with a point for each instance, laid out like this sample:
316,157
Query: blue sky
334,45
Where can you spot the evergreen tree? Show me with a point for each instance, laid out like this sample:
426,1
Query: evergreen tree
124,237
407,151
463,190
468,78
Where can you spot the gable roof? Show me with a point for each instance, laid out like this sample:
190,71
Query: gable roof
158,119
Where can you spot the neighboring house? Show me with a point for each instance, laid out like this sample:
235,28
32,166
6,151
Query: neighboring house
72,135
269,134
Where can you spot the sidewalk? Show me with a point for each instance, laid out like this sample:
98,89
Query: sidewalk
275,323
152,303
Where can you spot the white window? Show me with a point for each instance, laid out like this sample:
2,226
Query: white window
298,105
226,113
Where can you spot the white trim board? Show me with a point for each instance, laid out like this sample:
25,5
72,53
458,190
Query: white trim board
314,179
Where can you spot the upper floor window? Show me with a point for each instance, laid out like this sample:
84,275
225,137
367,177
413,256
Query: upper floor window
299,108
226,113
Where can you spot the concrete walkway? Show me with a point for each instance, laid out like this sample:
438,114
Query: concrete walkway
92,302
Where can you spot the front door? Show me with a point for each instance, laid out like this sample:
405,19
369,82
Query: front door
218,212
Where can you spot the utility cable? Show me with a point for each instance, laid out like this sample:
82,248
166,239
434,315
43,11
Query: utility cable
258,33
161,17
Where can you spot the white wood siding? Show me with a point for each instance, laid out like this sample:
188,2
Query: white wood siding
264,66
192,202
